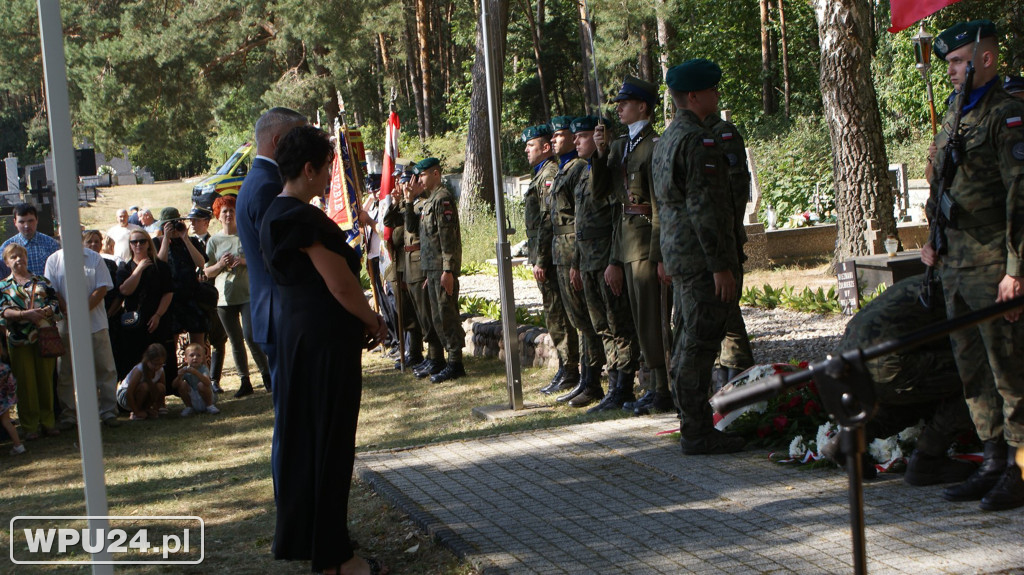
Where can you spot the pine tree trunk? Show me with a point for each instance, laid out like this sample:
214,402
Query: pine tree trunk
785,58
664,35
412,63
423,36
477,181
536,33
864,198
590,87
768,100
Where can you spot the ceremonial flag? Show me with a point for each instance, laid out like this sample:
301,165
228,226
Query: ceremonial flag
387,179
905,13
343,199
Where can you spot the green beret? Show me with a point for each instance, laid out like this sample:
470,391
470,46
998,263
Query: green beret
426,163
693,75
538,131
584,124
561,122
961,34
634,88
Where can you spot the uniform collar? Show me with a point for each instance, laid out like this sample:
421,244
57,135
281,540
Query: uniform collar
976,95
636,127
540,166
566,158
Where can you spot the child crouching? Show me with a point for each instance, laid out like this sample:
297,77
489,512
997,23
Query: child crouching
142,390
193,383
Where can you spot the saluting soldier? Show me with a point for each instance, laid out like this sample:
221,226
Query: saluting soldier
441,260
736,354
984,261
397,273
609,313
623,170
416,199
697,248
562,209
538,233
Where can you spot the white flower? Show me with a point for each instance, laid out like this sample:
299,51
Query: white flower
825,432
910,434
797,449
885,450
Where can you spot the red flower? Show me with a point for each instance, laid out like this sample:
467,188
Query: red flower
794,401
803,365
780,423
811,407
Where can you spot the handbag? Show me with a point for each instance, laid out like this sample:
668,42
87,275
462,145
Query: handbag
47,336
129,319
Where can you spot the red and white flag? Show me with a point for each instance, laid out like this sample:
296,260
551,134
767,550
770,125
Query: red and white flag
387,179
906,13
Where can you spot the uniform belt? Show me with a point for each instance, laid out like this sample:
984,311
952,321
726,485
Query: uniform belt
636,209
594,234
412,248
565,229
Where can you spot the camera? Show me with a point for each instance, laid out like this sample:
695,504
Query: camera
179,226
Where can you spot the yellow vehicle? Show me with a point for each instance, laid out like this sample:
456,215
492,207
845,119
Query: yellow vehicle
227,179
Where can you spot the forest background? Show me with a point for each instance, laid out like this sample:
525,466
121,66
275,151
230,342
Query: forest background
180,83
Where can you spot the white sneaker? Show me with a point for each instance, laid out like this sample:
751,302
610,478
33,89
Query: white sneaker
212,409
18,449
186,412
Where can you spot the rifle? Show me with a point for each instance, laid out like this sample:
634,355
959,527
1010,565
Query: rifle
942,206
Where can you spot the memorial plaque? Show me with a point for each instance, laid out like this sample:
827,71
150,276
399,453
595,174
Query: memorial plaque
849,293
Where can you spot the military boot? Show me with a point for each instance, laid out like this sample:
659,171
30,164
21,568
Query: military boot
619,392
661,400
556,380
216,369
929,464
581,386
645,399
413,353
713,443
570,379
985,477
592,389
454,370
1009,491
430,367
719,377
245,389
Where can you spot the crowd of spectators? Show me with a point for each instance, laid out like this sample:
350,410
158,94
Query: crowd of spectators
154,291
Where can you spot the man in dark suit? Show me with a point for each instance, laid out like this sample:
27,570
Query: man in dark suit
262,184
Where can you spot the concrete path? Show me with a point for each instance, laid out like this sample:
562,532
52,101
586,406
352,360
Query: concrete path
611,497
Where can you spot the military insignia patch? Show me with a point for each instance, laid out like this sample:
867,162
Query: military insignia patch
708,142
727,136
547,183
1018,151
1013,122
940,45
733,160
710,169
447,215
961,36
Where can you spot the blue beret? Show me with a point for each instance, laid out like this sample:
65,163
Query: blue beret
538,131
426,163
634,88
1014,84
693,75
584,124
961,34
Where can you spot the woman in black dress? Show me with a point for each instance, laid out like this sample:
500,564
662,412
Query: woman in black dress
323,322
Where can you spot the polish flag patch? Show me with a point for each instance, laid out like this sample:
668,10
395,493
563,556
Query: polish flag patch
727,136
710,142
1014,122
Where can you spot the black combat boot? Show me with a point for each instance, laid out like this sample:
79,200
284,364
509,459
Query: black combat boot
924,469
267,384
713,443
454,370
581,386
984,478
556,380
245,389
660,403
570,379
430,367
592,389
1009,491
619,391
216,369
645,399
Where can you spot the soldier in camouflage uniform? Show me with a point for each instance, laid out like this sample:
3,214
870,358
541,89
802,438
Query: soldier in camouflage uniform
623,170
538,234
416,200
736,354
441,260
921,383
609,313
697,248
562,210
983,263
396,274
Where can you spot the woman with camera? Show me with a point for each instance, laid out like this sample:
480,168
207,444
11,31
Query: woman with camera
145,284
184,254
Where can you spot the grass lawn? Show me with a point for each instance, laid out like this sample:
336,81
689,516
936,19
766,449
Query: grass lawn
218,467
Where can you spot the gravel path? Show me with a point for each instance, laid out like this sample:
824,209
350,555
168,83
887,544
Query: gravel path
777,335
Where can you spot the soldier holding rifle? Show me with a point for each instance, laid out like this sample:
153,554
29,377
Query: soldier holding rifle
983,207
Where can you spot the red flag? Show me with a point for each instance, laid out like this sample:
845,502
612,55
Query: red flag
905,13
387,180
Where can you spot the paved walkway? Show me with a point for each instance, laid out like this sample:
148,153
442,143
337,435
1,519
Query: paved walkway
610,497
